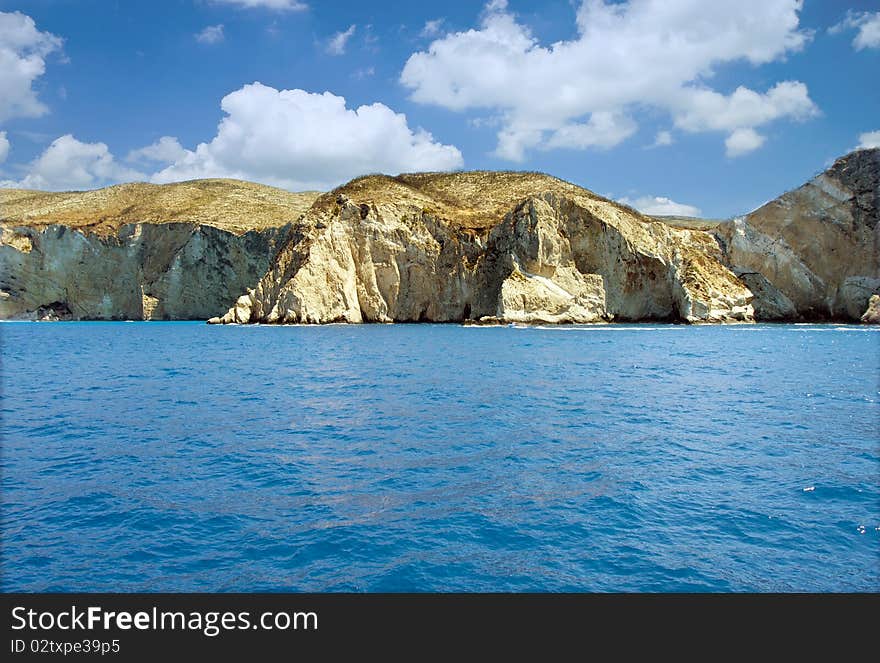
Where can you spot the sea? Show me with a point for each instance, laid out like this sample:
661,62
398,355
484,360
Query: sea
178,457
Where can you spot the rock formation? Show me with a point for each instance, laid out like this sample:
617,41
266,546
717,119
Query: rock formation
138,251
513,247
482,246
872,315
813,253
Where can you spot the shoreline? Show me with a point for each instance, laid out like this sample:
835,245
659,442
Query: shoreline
480,325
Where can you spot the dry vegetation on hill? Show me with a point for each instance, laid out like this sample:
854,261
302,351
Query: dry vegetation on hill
473,199
476,199
231,205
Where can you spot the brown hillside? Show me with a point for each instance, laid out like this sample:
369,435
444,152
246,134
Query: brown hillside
231,205
473,199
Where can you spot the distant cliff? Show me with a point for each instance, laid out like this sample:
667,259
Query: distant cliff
176,271
813,253
480,246
139,251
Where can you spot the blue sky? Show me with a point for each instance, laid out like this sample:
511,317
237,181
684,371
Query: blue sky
674,106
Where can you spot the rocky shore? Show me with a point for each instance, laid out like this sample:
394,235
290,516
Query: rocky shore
438,247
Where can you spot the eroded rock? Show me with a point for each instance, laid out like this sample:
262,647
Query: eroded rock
872,315
520,248
813,253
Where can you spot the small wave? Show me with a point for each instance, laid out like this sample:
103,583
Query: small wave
854,328
601,328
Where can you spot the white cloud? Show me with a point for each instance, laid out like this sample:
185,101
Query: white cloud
868,140
867,25
337,43
496,6
869,33
432,28
287,138
300,140
23,51
603,129
663,139
629,55
165,150
277,5
70,164
212,34
661,206
743,141
705,110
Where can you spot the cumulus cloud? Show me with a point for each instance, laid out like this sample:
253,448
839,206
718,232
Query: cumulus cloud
212,34
867,140
165,150
603,129
70,164
626,56
277,5
287,138
705,109
867,26
299,140
661,206
337,43
23,52
743,141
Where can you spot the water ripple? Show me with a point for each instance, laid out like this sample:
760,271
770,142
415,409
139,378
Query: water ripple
182,457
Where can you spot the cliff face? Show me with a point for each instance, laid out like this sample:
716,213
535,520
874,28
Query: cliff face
516,247
174,271
505,247
85,255
813,253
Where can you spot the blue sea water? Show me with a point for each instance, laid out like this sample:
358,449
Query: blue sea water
185,457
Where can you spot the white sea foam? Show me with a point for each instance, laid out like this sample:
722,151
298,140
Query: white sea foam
602,328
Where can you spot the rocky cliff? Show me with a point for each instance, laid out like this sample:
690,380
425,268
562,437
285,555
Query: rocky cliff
139,251
813,253
518,247
490,246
